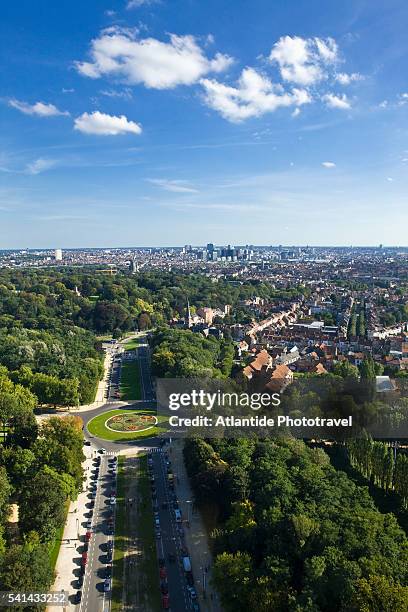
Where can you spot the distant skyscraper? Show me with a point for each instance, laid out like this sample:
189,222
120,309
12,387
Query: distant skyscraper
58,254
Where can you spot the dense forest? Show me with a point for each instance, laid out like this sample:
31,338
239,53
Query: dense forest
293,532
50,319
40,471
94,301
181,353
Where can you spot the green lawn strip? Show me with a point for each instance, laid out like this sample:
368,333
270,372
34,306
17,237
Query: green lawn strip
130,385
120,538
97,428
131,345
148,565
56,544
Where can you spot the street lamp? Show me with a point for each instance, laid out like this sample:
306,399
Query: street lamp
77,527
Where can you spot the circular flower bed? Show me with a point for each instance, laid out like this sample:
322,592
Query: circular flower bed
134,421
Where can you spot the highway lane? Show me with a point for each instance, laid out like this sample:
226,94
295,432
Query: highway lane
143,354
170,542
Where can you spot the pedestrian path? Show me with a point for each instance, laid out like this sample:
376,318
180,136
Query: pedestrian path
65,578
196,535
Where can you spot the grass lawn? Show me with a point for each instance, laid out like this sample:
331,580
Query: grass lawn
97,428
130,385
120,539
131,345
56,544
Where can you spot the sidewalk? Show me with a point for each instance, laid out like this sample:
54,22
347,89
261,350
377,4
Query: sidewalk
65,566
196,536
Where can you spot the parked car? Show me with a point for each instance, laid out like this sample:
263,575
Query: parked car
192,592
78,597
166,602
177,514
102,451
80,581
164,588
161,562
88,536
112,501
107,585
163,573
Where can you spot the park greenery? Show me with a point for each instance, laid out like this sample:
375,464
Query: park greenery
181,353
293,532
40,471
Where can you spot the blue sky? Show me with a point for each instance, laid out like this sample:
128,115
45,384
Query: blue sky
181,121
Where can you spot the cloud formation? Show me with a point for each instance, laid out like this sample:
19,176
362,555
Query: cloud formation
337,101
304,61
131,4
345,79
254,95
39,108
328,164
101,124
151,62
40,165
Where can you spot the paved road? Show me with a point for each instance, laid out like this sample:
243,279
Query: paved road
170,542
94,597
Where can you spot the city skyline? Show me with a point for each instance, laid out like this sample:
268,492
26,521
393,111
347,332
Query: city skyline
152,123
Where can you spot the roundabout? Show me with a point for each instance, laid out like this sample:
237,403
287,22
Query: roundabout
131,422
122,425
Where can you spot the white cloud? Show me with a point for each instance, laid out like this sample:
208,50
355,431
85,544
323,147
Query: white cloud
402,99
105,125
296,112
389,179
40,165
39,108
175,186
125,94
137,3
328,164
340,101
304,61
345,79
254,96
156,64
